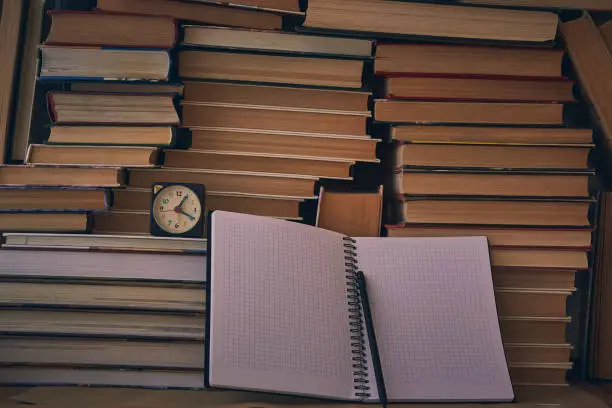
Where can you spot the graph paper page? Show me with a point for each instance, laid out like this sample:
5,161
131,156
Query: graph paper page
435,318
279,314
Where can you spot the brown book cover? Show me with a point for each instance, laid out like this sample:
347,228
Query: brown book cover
229,181
431,20
10,29
270,69
121,222
284,6
394,111
276,42
196,115
196,12
257,162
506,236
27,80
540,330
97,296
478,89
353,213
19,375
600,358
152,264
127,109
61,176
468,61
43,222
492,135
290,98
538,353
71,27
52,199
127,87
594,5
539,374
111,156
121,324
536,303
494,156
545,258
353,148
537,279
112,135
60,351
509,211
592,63
494,184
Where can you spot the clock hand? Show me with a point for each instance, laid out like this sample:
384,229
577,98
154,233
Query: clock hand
183,201
179,208
191,217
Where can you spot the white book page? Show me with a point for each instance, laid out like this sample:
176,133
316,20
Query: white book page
435,318
279,313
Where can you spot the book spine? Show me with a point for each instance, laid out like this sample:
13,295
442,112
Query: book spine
356,321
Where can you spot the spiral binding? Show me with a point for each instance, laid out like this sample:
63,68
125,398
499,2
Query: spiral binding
357,331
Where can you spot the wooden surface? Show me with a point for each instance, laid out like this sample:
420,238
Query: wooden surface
68,397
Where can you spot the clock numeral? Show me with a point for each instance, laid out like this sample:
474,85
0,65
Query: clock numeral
179,193
161,208
177,225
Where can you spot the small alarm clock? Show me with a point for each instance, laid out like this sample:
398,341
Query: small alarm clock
177,210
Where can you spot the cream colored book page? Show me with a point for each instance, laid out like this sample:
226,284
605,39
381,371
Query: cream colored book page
279,314
435,318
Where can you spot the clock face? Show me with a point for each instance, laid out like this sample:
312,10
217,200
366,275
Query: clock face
177,209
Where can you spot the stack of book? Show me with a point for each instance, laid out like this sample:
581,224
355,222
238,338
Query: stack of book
86,310
95,131
97,309
121,125
113,309
228,190
587,42
270,114
53,199
111,105
459,169
56,199
481,148
261,14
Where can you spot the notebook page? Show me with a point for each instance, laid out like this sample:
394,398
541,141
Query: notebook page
279,314
435,318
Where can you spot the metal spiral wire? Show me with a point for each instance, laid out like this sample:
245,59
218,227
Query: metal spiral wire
357,331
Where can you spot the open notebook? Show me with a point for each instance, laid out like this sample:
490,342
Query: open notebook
281,315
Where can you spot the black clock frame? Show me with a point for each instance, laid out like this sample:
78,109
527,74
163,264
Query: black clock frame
198,229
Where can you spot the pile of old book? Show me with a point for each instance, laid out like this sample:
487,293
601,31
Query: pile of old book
483,143
480,148
270,116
